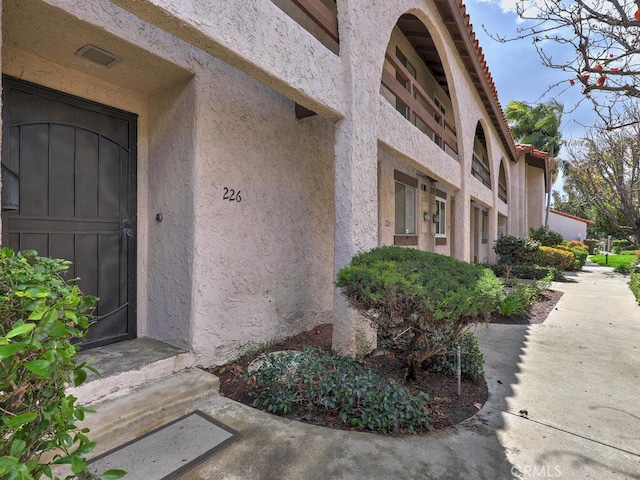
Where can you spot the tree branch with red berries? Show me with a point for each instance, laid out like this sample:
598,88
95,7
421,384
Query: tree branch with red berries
600,48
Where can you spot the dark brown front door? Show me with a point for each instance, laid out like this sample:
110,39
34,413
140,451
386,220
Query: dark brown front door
69,191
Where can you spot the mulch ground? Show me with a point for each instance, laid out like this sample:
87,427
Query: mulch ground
445,406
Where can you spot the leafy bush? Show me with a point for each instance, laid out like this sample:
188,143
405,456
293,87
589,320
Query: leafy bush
634,283
544,236
617,249
471,359
630,252
529,272
580,255
556,257
318,379
620,244
40,314
520,298
413,296
512,305
515,251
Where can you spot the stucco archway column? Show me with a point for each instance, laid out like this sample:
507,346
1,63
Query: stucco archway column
492,231
362,50
356,227
462,225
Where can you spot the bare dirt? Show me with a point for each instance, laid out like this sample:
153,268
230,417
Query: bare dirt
445,406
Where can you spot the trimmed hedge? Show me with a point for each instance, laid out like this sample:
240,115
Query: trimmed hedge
413,296
556,257
634,283
580,257
527,272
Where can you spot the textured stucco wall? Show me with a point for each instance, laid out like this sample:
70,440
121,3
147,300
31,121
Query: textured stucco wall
569,228
214,85
535,196
170,255
259,39
263,265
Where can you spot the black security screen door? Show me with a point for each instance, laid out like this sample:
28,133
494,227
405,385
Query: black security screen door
69,169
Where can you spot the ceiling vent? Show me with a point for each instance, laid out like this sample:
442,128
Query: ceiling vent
98,56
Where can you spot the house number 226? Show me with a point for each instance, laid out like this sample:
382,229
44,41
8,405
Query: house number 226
231,195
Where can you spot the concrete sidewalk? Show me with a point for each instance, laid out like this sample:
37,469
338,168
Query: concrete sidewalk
576,375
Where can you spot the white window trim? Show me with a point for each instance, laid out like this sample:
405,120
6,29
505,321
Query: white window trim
442,217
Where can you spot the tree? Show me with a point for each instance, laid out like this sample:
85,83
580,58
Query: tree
600,47
605,168
536,125
539,126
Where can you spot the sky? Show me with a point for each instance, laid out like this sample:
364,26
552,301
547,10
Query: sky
516,67
518,72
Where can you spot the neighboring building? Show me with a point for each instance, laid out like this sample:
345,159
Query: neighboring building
208,166
569,226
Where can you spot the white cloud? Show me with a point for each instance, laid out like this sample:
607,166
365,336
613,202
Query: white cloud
511,6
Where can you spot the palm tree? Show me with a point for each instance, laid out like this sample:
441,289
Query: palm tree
539,126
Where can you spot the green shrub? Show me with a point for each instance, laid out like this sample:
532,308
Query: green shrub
576,243
630,252
515,251
40,314
620,244
580,255
520,298
318,379
634,283
413,295
471,359
544,236
556,257
512,305
617,249
528,272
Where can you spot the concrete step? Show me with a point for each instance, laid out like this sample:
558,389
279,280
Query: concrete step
127,365
124,418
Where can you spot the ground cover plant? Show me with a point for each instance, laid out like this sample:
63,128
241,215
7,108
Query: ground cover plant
340,386
40,315
420,302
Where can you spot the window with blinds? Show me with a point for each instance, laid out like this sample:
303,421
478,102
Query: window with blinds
441,217
405,209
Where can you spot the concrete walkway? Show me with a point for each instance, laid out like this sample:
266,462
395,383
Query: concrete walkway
577,376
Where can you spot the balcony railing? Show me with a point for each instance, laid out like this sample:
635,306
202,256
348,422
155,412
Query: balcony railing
411,94
321,15
480,170
502,192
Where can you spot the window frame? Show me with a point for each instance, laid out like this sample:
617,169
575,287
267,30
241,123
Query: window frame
408,213
484,227
441,212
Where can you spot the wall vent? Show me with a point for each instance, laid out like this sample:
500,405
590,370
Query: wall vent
98,56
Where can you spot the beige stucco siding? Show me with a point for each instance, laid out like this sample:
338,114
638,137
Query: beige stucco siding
264,264
260,209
